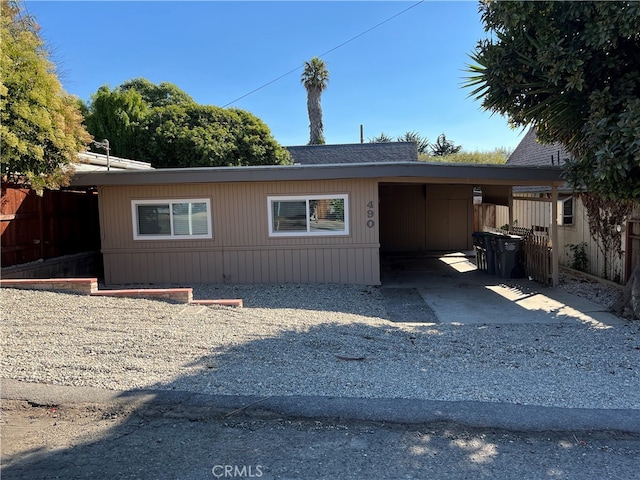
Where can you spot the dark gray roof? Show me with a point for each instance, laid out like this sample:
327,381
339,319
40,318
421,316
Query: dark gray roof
456,173
530,152
355,153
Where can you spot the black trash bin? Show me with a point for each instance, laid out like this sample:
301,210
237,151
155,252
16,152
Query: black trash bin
507,254
479,245
490,247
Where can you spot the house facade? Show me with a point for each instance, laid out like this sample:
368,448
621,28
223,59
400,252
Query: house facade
322,223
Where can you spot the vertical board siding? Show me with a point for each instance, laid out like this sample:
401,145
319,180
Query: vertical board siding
419,217
240,250
403,218
326,265
531,214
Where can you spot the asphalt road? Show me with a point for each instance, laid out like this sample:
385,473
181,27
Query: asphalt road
61,432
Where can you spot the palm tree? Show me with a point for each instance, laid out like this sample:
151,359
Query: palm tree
315,78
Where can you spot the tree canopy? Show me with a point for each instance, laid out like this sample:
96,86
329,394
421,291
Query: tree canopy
444,147
41,127
496,156
422,143
572,71
163,125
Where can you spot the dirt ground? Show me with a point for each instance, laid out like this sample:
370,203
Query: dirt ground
99,441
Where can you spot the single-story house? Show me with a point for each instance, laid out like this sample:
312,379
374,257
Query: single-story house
305,223
532,209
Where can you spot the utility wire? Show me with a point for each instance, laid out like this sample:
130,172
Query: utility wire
325,53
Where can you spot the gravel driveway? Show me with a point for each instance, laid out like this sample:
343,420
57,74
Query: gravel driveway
323,340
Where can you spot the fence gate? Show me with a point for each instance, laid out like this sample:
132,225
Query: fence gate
536,254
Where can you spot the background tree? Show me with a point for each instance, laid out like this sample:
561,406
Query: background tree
161,95
118,116
571,70
161,124
315,78
382,138
41,127
444,147
421,142
496,156
203,136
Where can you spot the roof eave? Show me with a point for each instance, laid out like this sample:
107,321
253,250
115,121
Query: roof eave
457,173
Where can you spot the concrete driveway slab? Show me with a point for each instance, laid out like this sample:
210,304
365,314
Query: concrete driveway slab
458,293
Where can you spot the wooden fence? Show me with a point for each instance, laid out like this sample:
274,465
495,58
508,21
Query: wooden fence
535,254
55,224
633,247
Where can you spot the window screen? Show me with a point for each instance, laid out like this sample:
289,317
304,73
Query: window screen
171,219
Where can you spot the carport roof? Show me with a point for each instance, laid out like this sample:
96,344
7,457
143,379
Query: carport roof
474,174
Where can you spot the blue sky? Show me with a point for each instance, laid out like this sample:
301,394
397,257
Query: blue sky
404,75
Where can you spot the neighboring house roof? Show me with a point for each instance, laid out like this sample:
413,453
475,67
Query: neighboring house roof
97,162
530,152
355,153
476,174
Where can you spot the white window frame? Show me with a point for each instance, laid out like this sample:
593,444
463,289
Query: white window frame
169,202
306,199
562,218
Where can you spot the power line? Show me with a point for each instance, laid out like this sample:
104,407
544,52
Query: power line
325,53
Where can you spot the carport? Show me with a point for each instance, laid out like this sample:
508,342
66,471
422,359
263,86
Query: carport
434,208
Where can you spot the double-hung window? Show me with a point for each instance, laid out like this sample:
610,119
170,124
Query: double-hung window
171,219
308,215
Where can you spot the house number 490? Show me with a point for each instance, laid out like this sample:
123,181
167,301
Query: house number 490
370,214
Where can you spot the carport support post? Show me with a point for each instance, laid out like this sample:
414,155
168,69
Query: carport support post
554,236
510,208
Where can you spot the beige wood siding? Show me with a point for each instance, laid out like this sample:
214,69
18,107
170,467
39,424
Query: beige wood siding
241,250
425,217
403,215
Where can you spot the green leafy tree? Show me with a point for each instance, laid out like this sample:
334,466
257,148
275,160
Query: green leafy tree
444,147
41,127
315,78
118,116
162,124
207,136
497,156
571,70
161,95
